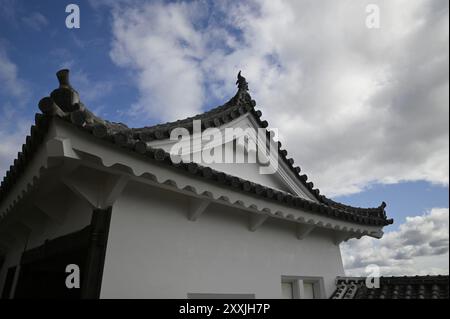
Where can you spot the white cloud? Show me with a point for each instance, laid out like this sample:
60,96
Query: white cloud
160,46
11,84
419,247
12,137
13,13
91,90
35,20
353,105
13,127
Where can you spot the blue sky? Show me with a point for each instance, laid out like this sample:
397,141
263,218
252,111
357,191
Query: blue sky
405,199
118,67
40,49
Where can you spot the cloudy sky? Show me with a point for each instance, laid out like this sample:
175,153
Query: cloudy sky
364,111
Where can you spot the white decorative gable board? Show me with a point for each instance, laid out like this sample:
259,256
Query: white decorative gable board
282,178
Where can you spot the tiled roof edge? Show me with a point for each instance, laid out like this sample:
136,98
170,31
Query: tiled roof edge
398,279
39,130
240,104
395,287
64,103
33,141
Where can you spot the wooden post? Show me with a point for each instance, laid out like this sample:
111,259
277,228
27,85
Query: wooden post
93,272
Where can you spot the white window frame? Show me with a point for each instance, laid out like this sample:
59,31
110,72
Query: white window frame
297,282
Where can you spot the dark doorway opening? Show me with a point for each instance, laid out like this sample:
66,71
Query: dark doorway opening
42,271
8,282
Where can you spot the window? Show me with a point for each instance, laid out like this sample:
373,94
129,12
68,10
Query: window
298,287
287,290
308,289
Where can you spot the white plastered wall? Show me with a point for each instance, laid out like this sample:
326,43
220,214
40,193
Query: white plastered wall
154,251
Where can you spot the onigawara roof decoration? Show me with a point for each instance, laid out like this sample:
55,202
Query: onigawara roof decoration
65,103
416,287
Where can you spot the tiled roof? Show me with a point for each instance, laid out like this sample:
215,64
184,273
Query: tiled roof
65,103
417,287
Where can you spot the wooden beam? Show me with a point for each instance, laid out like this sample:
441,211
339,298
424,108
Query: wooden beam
98,188
100,224
114,187
87,195
256,220
196,207
304,230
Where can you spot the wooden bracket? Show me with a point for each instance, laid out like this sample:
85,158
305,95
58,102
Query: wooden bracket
256,220
304,230
196,207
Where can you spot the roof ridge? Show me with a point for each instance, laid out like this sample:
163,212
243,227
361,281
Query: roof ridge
64,102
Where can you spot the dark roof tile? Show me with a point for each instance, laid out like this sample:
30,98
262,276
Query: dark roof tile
413,287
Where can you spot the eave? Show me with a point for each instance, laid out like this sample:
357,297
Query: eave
324,213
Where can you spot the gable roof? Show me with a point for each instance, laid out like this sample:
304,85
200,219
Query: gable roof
417,287
64,103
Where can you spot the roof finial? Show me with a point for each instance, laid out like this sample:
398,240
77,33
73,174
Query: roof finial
241,82
63,77
65,96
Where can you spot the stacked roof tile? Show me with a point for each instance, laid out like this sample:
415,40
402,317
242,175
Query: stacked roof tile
417,287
